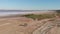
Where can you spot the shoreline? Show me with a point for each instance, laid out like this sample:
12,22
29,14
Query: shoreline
8,13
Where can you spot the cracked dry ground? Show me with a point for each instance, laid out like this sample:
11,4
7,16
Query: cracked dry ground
19,25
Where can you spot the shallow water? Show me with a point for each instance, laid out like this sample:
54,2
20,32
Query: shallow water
10,12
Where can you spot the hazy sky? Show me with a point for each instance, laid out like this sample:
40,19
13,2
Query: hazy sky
30,4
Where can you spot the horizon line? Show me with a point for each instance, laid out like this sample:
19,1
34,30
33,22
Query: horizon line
18,9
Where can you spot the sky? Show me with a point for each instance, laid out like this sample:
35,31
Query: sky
29,4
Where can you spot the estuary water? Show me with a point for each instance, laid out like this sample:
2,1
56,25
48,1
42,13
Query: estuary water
12,12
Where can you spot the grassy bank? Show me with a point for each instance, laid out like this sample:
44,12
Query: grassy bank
39,17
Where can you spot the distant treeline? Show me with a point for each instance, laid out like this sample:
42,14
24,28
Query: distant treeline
58,11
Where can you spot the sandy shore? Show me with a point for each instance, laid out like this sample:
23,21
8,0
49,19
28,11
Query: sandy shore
16,25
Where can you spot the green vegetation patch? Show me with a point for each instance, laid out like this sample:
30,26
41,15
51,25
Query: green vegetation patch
58,14
40,16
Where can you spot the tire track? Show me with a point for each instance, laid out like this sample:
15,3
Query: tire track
45,28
